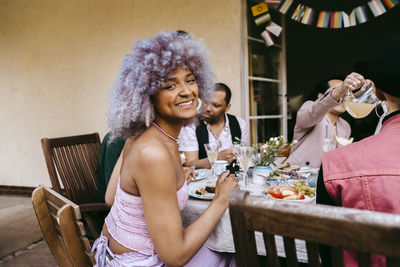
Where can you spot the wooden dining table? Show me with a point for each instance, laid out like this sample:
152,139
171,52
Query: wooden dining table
221,239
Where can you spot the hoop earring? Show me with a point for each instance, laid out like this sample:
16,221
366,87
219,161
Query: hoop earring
384,107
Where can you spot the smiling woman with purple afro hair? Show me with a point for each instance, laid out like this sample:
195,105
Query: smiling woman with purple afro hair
143,72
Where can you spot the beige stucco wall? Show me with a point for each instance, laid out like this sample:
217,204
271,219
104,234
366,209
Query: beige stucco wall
58,59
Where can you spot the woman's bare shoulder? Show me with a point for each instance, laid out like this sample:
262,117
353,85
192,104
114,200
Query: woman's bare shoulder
146,151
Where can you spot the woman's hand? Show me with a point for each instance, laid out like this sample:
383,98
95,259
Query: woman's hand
189,174
224,186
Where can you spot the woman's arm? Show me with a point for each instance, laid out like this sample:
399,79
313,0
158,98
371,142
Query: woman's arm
157,182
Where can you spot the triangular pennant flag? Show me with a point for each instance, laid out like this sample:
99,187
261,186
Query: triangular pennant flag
274,28
266,36
390,3
323,19
376,7
361,14
346,19
308,16
353,21
263,19
259,9
285,5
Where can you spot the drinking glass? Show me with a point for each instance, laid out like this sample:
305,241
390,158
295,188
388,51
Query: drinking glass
212,154
361,102
245,158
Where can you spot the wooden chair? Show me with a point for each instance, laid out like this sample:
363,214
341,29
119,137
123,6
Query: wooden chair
59,219
71,162
363,231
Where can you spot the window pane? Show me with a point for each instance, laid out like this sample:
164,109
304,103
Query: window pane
264,98
264,61
262,130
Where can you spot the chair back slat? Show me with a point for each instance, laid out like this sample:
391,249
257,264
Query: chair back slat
365,232
244,240
59,219
392,262
270,247
71,237
313,254
364,259
290,251
337,257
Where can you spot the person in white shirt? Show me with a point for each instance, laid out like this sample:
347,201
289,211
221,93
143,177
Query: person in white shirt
216,126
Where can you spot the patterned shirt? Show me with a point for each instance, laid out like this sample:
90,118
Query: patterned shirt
187,139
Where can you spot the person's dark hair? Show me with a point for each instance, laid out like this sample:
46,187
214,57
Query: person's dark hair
323,85
384,68
224,88
182,33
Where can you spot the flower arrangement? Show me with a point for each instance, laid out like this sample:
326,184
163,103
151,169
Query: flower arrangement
266,153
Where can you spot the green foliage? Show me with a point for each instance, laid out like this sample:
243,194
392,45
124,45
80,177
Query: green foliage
265,154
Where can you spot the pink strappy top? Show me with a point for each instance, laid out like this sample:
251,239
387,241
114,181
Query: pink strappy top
126,222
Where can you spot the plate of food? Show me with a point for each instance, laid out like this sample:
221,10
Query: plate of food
298,190
280,177
202,192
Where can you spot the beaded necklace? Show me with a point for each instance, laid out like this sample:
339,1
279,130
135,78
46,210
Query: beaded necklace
161,130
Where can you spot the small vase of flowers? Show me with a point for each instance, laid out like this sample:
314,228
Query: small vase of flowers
266,153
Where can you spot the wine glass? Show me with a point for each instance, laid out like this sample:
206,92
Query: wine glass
245,157
212,154
361,102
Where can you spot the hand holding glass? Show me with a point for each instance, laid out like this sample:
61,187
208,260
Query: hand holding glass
212,154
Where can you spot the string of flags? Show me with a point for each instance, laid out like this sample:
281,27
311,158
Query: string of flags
320,18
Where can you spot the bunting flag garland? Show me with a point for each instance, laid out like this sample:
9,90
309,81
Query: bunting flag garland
324,19
336,19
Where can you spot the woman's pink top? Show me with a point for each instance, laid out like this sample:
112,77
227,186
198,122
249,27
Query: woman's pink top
126,222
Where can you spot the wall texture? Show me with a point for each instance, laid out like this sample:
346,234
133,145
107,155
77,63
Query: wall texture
58,60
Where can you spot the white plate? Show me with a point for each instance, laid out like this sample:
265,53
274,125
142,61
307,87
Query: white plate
304,170
192,193
200,176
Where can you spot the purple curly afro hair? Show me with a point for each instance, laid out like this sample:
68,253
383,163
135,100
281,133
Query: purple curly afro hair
144,71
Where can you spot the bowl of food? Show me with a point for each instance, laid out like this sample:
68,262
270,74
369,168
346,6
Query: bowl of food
298,190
